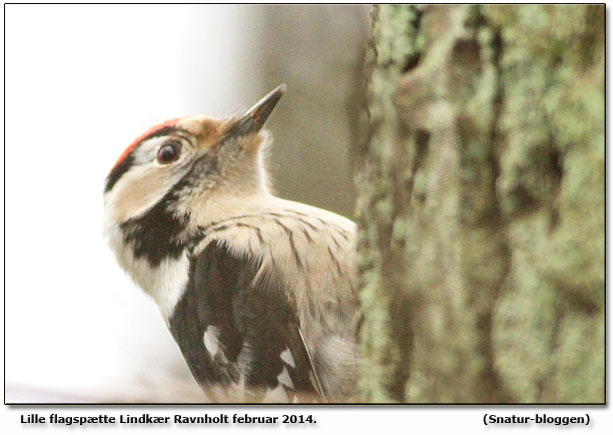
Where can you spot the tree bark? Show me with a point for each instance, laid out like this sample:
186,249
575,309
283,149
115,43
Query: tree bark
481,207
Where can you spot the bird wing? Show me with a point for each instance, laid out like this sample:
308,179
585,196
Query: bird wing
240,336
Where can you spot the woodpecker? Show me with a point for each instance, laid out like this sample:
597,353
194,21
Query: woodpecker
258,292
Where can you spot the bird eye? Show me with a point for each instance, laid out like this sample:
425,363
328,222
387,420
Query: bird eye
169,152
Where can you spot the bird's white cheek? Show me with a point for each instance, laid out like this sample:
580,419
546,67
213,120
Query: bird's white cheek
138,191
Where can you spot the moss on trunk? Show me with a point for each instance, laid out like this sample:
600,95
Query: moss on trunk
481,205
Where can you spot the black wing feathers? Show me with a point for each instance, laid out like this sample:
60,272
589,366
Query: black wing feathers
253,333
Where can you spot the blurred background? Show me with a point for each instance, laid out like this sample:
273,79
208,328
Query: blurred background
82,81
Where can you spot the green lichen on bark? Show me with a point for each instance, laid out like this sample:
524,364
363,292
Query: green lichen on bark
552,188
481,206
380,337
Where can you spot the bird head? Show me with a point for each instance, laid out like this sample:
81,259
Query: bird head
190,160
182,173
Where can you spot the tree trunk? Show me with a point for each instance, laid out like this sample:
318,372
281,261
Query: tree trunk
481,207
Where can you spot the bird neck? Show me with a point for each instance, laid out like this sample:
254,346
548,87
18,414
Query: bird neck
216,208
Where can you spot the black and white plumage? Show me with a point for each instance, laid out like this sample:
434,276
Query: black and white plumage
257,291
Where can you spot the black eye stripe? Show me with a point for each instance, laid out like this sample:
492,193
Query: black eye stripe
161,132
119,170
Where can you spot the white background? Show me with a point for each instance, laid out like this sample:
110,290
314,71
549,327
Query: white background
82,82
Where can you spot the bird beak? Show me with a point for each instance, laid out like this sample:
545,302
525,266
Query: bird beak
254,119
